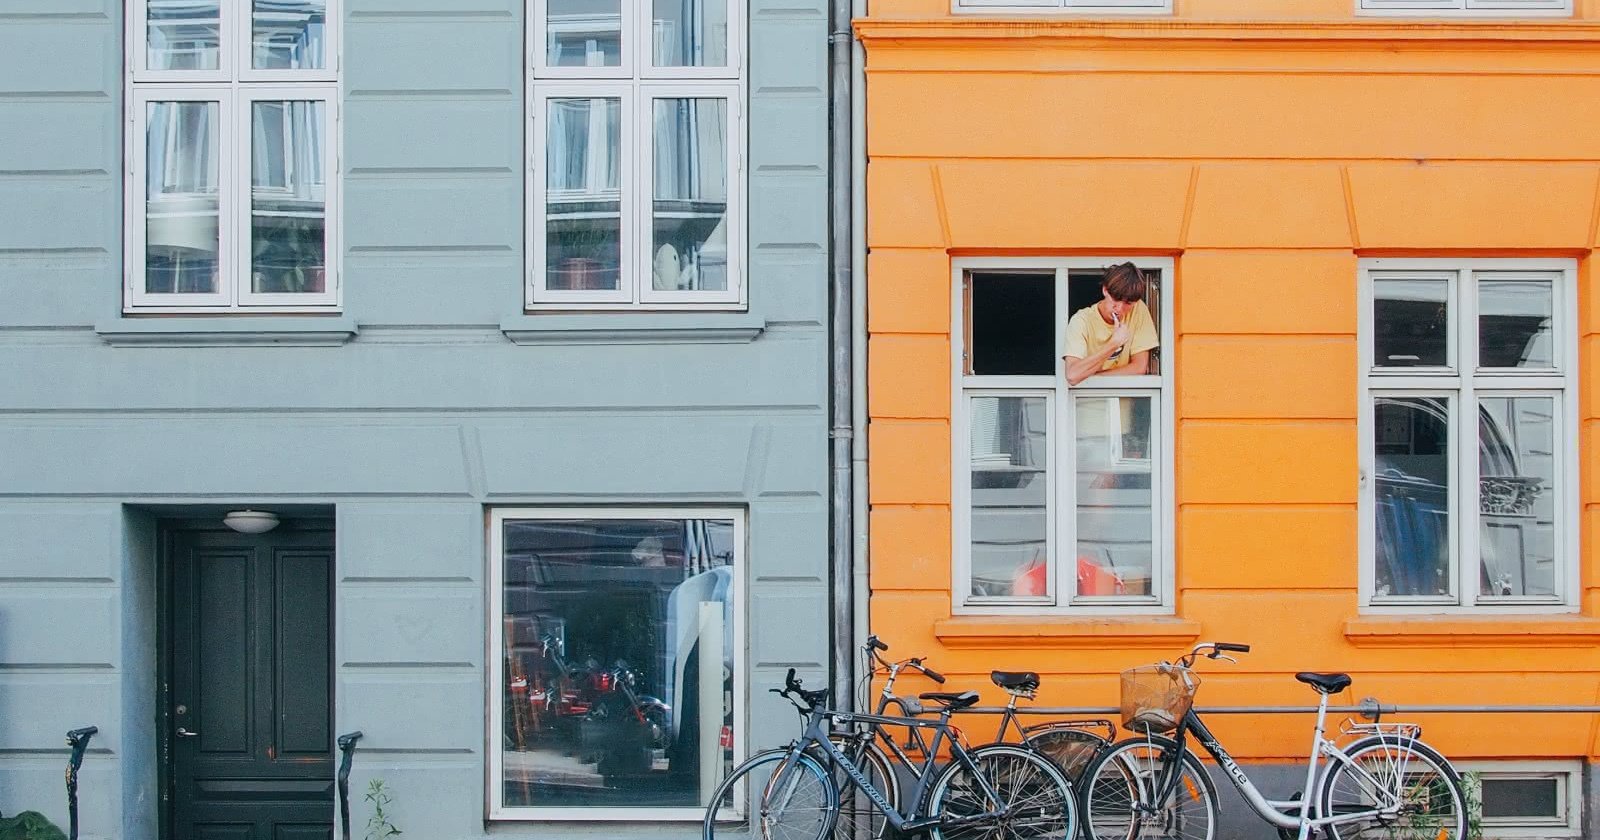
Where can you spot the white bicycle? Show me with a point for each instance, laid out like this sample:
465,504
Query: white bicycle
1385,783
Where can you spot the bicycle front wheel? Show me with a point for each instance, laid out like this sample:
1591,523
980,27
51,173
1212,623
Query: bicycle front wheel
761,799
1032,799
1400,788
859,818
1120,792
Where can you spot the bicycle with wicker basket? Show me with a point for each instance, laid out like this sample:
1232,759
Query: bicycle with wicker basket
1385,783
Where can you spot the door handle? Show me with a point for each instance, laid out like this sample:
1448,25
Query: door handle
184,733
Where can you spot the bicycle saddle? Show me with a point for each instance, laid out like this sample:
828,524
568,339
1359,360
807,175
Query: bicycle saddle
951,699
1325,683
1015,680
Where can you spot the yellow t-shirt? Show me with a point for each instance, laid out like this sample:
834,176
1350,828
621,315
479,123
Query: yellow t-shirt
1087,332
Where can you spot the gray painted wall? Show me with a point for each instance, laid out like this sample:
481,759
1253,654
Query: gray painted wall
408,432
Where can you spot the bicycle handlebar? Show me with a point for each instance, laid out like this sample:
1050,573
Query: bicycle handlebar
1230,646
931,674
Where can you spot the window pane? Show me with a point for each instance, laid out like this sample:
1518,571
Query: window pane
690,214
288,34
1514,321
181,197
1412,488
183,35
583,33
1525,798
288,198
1011,323
1010,501
1410,320
619,665
1115,500
691,33
583,194
1516,496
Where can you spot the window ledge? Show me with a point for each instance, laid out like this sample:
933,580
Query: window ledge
656,328
1060,632
310,331
1434,631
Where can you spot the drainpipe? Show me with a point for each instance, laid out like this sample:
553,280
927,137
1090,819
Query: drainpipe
841,432
858,324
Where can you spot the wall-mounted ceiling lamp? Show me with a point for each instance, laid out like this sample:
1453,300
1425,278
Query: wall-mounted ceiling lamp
251,521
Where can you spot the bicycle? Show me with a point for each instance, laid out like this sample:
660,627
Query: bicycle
997,790
1386,783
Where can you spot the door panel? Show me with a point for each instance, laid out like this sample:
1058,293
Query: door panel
251,685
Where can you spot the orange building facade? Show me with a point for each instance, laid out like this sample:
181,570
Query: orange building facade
1367,442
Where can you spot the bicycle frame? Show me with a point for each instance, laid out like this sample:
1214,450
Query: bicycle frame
817,734
1303,814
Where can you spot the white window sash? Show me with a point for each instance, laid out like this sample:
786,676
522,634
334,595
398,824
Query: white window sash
963,522
328,96
538,179
1465,8
494,657
1063,466
538,50
733,144
1135,7
135,295
1464,390
236,49
1568,778
637,60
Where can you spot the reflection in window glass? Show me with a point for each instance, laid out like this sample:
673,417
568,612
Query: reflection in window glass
1516,498
1508,799
583,33
288,34
1514,328
183,35
1410,322
1115,499
181,201
288,198
583,194
690,33
690,214
1412,481
1010,487
619,661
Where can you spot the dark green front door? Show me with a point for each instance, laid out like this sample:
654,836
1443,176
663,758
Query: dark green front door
251,746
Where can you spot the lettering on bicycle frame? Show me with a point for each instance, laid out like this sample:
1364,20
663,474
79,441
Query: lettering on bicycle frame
1227,762
860,779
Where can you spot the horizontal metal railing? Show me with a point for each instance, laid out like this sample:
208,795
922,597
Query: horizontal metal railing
1368,708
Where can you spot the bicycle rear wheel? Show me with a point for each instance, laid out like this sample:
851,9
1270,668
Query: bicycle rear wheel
1415,790
1035,798
761,800
1120,789
1072,748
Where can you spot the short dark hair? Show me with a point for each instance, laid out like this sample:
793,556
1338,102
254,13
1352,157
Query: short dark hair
1124,282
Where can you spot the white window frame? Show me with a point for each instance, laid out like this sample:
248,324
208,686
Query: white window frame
1462,386
1061,525
1464,8
233,86
1569,798
638,83
495,611
1076,7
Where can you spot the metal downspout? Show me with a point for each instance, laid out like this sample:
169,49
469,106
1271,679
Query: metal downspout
858,313
841,431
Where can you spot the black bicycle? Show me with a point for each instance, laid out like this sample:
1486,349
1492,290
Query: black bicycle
998,791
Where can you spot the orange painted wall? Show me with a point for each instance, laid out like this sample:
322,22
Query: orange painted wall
1267,147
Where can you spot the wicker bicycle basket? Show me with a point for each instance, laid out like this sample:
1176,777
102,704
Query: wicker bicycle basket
1156,697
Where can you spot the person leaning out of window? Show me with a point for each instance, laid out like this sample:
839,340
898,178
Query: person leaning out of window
1115,335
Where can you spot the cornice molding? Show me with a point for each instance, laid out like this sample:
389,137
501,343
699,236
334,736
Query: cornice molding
933,32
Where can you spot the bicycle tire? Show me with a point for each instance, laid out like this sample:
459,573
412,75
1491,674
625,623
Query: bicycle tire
1071,748
1126,775
1436,790
740,807
855,808
1039,799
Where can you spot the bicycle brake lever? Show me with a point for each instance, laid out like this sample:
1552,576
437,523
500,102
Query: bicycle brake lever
1224,657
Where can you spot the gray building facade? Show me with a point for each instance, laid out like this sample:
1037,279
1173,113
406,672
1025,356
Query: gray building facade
514,314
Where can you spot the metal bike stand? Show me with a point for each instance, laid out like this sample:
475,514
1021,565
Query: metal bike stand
347,746
78,739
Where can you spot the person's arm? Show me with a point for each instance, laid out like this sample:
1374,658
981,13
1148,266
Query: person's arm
1139,365
1079,369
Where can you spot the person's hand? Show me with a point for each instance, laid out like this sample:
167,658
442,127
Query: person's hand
1120,334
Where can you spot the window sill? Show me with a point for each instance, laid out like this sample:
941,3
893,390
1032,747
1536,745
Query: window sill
307,331
1438,631
1059,632
654,328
